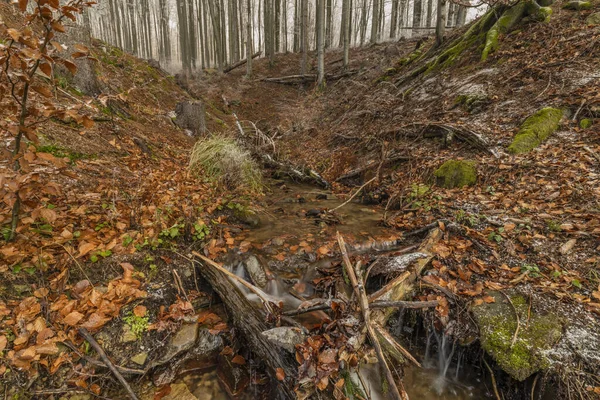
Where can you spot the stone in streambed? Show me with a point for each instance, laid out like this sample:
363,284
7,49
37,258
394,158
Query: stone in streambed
180,391
538,333
140,359
285,337
256,272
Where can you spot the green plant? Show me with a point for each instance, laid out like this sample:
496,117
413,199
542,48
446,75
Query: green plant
127,240
576,283
495,236
531,269
95,257
553,226
138,325
467,219
172,232
201,231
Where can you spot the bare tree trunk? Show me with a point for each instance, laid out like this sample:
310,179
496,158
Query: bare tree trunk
417,13
249,40
285,26
304,17
297,27
320,44
441,22
329,24
346,30
394,19
375,22
462,15
429,21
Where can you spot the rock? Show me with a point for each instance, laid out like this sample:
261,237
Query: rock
577,5
568,246
473,102
593,19
456,174
180,391
536,129
85,79
392,50
321,197
313,213
497,324
256,272
207,345
389,265
285,337
140,359
128,335
182,341
235,378
247,216
585,123
191,116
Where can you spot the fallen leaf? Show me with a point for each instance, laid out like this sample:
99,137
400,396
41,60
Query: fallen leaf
280,374
73,318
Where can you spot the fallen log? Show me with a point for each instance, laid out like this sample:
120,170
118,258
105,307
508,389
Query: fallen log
250,321
240,63
372,164
306,78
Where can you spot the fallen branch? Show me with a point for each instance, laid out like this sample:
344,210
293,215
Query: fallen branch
413,305
100,364
90,339
372,164
359,290
307,78
494,385
514,339
240,63
265,298
354,195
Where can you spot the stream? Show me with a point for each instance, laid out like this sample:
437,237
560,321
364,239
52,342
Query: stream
291,231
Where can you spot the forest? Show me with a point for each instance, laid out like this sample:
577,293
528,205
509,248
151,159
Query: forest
300,199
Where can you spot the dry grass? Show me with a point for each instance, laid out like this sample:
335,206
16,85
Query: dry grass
224,161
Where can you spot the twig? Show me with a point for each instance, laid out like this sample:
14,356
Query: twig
493,380
533,386
361,294
261,295
353,196
99,363
579,110
87,336
413,305
514,339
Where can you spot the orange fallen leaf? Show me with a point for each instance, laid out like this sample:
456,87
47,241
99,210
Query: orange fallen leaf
280,374
239,360
139,311
73,318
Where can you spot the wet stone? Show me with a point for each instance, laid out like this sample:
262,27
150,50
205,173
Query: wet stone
140,359
256,272
285,337
183,340
179,391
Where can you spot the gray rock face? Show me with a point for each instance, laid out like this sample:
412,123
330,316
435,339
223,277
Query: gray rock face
85,79
285,337
183,340
191,116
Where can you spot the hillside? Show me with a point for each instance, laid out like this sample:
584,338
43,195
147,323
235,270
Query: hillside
488,168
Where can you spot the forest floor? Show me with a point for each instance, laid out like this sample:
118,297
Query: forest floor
109,249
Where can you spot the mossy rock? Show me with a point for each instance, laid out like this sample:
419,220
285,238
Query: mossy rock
472,102
593,19
536,129
456,174
577,5
585,123
497,325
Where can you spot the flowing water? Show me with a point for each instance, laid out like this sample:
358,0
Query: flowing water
284,225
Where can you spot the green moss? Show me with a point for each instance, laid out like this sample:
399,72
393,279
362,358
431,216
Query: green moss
456,174
578,5
505,23
585,123
536,129
61,152
497,325
472,102
593,19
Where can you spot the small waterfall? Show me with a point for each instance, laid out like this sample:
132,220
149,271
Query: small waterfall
443,360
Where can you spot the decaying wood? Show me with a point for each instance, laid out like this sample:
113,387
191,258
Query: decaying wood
448,130
413,305
359,290
250,321
372,164
240,63
90,339
295,172
307,78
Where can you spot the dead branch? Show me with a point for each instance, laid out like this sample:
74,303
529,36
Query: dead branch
359,290
448,130
240,63
372,164
308,78
99,363
413,305
354,195
265,298
87,336
514,339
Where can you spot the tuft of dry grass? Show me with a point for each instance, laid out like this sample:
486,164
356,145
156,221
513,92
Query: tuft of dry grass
224,161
